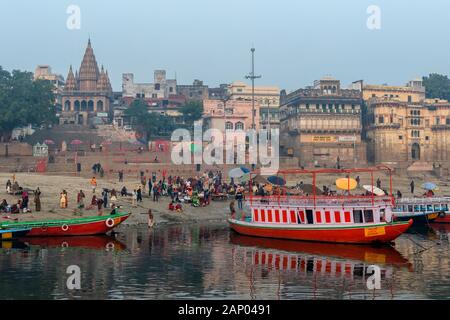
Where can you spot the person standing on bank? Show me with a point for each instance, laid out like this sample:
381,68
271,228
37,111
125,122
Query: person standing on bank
412,186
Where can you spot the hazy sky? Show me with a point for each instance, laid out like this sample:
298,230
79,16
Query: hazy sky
296,41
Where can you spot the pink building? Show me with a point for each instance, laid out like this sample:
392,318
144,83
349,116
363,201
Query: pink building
238,115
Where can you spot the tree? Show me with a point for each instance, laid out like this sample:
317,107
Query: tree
437,86
192,111
24,101
149,123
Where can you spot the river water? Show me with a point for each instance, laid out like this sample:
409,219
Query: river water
211,262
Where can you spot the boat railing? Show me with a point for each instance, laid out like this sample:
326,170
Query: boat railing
425,200
319,200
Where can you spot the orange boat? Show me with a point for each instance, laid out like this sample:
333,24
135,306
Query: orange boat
339,219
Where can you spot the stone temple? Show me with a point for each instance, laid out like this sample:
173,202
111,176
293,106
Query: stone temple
87,94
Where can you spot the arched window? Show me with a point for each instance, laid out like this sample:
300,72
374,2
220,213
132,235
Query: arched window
67,105
239,126
90,105
83,105
100,105
229,125
77,105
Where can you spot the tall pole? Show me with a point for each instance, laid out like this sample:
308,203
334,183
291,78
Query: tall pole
268,119
253,77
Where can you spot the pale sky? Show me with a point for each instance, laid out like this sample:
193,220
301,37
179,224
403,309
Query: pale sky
296,41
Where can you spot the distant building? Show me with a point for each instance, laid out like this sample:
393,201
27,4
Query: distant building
88,93
218,93
321,125
237,116
412,92
195,92
401,132
268,98
161,87
44,72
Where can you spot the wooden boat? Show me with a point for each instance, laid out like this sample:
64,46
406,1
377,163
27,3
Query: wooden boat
422,210
69,227
9,234
339,219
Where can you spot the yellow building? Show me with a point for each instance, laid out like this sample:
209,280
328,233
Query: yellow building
412,92
398,131
268,98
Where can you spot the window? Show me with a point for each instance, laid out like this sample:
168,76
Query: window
154,95
400,137
357,216
368,216
380,119
239,126
157,86
171,89
229,125
409,99
427,138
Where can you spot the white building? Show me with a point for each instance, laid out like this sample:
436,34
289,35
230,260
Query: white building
161,87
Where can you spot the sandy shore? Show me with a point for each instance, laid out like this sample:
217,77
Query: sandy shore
52,185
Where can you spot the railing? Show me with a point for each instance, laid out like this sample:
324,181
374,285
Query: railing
425,200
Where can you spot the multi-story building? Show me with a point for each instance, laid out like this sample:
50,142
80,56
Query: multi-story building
267,97
44,72
219,93
401,132
195,92
161,87
321,125
412,92
88,93
237,115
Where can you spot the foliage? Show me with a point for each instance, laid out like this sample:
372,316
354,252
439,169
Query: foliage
192,111
24,101
437,86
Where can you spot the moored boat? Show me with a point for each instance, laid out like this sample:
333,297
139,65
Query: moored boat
338,219
69,227
422,210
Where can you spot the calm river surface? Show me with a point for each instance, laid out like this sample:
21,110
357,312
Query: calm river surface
211,262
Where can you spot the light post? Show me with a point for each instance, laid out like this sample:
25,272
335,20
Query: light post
253,77
268,119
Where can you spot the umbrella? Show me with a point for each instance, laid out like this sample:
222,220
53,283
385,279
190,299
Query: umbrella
429,186
376,191
346,183
245,169
76,142
236,173
276,180
259,179
48,141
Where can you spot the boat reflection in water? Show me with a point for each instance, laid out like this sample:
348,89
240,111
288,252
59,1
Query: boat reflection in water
319,260
88,242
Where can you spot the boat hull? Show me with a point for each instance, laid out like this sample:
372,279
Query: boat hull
70,227
442,218
423,218
11,234
379,233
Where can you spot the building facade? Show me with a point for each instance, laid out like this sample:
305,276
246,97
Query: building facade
237,116
195,92
412,92
321,125
401,132
87,93
268,98
161,87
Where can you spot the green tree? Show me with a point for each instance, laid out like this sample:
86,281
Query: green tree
192,111
437,86
24,101
150,124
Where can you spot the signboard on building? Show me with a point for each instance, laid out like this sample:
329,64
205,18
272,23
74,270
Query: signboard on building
347,138
102,114
323,139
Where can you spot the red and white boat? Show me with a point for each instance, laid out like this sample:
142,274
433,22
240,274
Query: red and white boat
347,218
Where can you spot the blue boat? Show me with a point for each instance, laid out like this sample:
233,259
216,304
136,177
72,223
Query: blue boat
8,234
